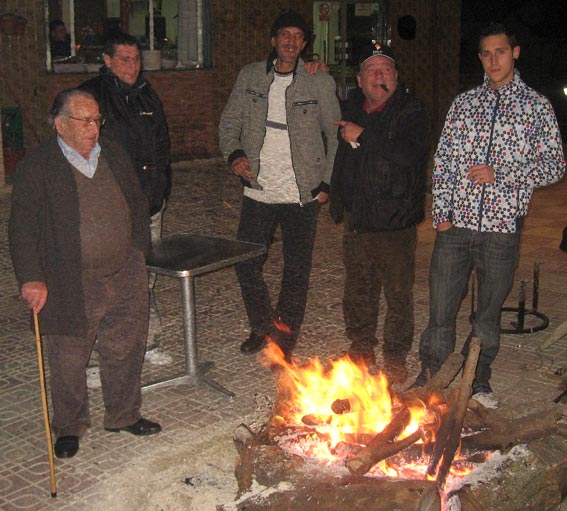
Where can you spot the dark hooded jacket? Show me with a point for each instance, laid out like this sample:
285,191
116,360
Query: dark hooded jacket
136,120
382,182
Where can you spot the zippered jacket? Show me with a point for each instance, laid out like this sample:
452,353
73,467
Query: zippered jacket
136,120
382,182
514,130
311,108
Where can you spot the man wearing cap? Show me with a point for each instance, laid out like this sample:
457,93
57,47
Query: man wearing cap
378,191
270,133
500,142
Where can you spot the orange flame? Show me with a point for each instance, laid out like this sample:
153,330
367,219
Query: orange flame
341,403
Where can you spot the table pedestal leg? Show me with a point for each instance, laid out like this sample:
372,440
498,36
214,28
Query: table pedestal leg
193,371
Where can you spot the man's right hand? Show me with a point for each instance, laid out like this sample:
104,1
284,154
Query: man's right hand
444,226
241,168
35,295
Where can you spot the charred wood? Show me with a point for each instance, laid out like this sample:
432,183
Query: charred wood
502,434
338,494
464,393
382,446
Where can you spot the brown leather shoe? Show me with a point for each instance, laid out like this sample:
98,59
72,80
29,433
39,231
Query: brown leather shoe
142,427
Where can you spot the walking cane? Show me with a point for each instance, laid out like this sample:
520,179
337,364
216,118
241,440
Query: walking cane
45,409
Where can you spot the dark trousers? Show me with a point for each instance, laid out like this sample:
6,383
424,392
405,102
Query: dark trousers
456,251
376,261
258,222
117,315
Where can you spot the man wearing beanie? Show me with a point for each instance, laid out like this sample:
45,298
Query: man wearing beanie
271,136
378,190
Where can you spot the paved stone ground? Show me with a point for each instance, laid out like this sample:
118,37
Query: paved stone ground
198,420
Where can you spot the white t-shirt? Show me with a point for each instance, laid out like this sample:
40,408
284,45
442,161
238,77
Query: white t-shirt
276,176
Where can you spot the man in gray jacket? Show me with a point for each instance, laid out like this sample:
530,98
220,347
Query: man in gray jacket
271,136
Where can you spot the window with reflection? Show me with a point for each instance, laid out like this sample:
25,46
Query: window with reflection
173,34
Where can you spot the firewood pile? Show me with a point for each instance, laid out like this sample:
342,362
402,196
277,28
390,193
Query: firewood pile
521,462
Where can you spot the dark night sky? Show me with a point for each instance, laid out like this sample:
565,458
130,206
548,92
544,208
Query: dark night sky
541,29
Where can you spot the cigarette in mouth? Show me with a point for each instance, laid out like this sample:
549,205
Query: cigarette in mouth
384,87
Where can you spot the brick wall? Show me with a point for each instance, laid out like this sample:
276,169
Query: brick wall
194,99
188,100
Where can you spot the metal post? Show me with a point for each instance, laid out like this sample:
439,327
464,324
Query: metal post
189,325
521,306
535,297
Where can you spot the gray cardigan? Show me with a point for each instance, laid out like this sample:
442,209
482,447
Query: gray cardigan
311,106
44,230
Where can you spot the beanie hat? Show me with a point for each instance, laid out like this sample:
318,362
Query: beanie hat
290,19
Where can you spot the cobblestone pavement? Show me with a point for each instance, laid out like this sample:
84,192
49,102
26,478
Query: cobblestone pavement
206,200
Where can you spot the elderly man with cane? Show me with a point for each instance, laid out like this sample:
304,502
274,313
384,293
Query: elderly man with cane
79,227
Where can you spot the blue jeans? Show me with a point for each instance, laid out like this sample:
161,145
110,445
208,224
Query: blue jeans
494,257
258,222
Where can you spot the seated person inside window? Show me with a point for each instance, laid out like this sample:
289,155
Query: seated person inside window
60,40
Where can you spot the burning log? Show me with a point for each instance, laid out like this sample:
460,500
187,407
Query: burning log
382,446
447,421
337,494
454,434
438,383
341,406
504,433
243,438
346,449
314,419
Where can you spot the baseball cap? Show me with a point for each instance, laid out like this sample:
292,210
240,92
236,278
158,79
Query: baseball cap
289,19
376,50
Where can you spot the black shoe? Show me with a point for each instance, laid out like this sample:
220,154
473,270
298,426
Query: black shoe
66,446
362,358
253,344
141,428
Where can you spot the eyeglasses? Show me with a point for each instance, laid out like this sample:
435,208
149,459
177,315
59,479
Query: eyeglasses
89,121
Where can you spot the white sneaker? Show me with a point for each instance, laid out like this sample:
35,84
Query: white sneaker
158,357
486,399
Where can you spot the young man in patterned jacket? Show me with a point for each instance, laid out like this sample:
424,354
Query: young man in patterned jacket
500,142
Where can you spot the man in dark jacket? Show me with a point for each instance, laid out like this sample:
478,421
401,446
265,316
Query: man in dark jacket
136,120
78,232
378,189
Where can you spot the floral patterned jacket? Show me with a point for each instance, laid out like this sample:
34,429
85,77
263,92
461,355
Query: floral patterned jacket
514,130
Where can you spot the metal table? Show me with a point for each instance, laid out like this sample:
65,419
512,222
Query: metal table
184,257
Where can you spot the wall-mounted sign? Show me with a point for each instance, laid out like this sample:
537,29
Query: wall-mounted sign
324,10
